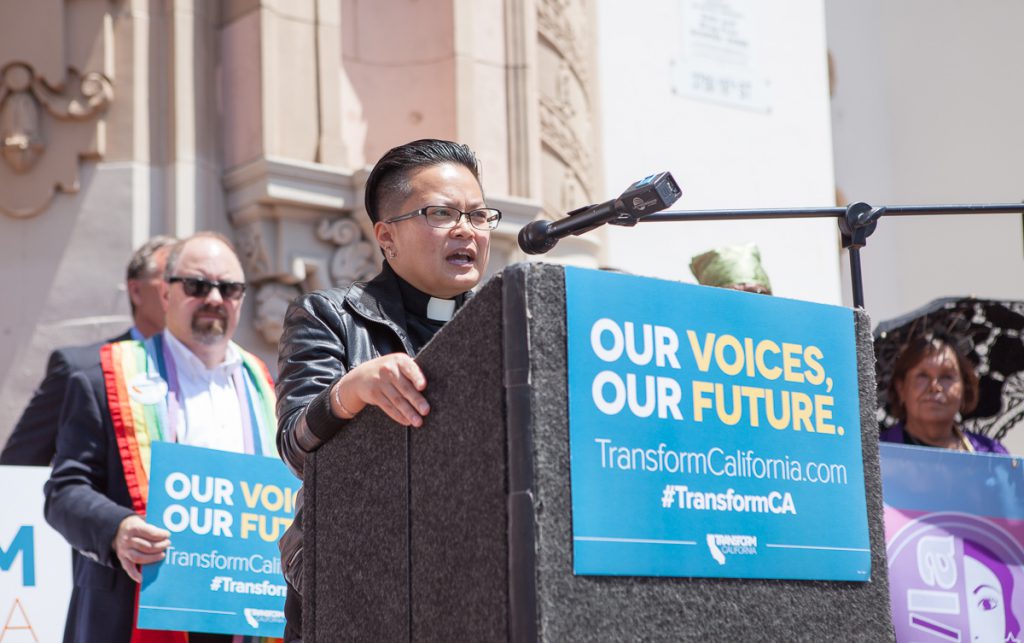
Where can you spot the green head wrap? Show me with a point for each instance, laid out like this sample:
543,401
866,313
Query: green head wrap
730,266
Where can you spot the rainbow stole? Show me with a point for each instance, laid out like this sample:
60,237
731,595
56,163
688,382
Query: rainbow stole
138,421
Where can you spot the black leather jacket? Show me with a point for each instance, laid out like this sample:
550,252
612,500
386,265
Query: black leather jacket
326,333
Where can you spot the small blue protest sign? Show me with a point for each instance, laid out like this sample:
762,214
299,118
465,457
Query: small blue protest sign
226,512
712,433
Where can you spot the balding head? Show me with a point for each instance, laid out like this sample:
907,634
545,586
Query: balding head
202,317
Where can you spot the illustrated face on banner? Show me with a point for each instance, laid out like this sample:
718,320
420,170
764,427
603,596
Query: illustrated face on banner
948,583
986,600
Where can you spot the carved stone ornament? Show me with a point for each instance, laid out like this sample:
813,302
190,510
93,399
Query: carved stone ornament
555,24
252,252
21,136
570,201
25,99
563,90
354,258
560,135
272,301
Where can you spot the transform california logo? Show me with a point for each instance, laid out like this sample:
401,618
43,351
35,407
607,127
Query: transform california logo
255,616
721,545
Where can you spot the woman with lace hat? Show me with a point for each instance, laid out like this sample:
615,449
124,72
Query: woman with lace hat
932,384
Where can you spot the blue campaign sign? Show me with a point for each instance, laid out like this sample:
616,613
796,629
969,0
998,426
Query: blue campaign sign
712,433
933,480
226,512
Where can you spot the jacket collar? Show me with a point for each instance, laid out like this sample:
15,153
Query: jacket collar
380,300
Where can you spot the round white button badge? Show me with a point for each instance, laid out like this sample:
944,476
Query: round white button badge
147,389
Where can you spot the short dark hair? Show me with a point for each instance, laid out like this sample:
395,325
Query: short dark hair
918,349
141,265
179,247
388,182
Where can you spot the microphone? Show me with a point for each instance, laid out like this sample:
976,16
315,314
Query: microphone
646,196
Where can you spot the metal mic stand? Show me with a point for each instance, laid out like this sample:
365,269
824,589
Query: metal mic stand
856,222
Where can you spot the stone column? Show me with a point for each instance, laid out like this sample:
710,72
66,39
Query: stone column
569,141
293,197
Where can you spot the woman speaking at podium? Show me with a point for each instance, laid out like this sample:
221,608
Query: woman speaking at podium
344,349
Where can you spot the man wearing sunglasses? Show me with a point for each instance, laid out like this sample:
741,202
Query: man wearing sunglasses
34,438
189,384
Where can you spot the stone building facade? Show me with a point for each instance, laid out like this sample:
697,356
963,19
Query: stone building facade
120,119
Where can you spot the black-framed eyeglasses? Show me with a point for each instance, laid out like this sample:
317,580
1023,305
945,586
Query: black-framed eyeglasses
199,287
443,216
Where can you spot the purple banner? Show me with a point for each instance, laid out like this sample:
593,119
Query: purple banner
955,543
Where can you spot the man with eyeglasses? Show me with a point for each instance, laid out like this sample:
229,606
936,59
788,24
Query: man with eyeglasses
344,350
189,384
34,438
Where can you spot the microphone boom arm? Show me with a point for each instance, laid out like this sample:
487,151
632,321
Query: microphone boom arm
651,194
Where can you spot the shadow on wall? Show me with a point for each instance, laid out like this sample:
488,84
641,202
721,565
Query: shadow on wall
63,276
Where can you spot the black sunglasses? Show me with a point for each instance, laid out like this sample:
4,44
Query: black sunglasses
199,287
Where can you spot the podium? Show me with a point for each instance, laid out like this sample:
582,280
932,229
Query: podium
462,530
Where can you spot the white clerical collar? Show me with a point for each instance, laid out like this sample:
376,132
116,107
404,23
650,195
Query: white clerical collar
184,357
440,309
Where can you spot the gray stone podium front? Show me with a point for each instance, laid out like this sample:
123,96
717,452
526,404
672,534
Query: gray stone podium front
462,530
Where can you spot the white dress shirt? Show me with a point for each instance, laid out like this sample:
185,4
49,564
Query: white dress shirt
208,412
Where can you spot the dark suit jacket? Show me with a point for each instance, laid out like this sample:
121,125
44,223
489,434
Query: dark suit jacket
34,439
86,500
